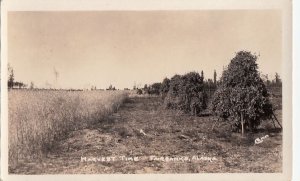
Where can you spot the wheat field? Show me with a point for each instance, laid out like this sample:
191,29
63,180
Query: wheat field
38,118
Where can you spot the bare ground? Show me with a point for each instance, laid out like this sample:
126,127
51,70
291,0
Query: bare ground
167,133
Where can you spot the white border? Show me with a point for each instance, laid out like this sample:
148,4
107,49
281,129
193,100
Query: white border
296,90
83,5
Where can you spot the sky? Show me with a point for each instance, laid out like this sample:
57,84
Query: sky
123,48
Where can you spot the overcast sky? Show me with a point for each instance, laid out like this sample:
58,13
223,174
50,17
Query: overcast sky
123,47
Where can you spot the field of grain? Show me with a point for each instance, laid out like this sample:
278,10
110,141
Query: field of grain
39,118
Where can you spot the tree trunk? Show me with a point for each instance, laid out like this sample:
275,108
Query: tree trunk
242,122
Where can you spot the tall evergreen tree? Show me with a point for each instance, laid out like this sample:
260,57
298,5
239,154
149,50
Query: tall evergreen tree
215,77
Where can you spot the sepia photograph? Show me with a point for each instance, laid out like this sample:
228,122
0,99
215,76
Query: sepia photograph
145,92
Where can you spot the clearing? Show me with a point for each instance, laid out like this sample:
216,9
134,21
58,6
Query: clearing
142,128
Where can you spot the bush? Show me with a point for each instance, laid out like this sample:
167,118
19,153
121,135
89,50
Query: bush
242,96
164,89
186,93
139,91
154,88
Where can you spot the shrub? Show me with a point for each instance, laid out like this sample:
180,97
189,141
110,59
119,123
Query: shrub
139,91
154,88
242,96
164,89
186,93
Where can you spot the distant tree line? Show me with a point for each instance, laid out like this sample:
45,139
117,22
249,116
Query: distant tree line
276,82
13,84
111,87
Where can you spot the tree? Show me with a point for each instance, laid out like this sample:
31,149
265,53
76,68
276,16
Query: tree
31,85
139,91
202,74
155,88
210,82
210,87
186,93
277,79
215,77
111,87
19,85
242,96
11,77
268,82
165,85
145,87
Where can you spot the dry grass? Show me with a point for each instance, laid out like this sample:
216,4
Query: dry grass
37,119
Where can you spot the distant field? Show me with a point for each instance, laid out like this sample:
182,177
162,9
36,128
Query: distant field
37,119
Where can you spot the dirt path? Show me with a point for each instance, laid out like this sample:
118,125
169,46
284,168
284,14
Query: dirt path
141,128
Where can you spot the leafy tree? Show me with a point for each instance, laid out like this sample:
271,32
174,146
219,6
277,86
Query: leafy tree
155,88
139,91
242,95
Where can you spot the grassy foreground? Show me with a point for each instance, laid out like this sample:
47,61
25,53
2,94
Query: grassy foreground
142,128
